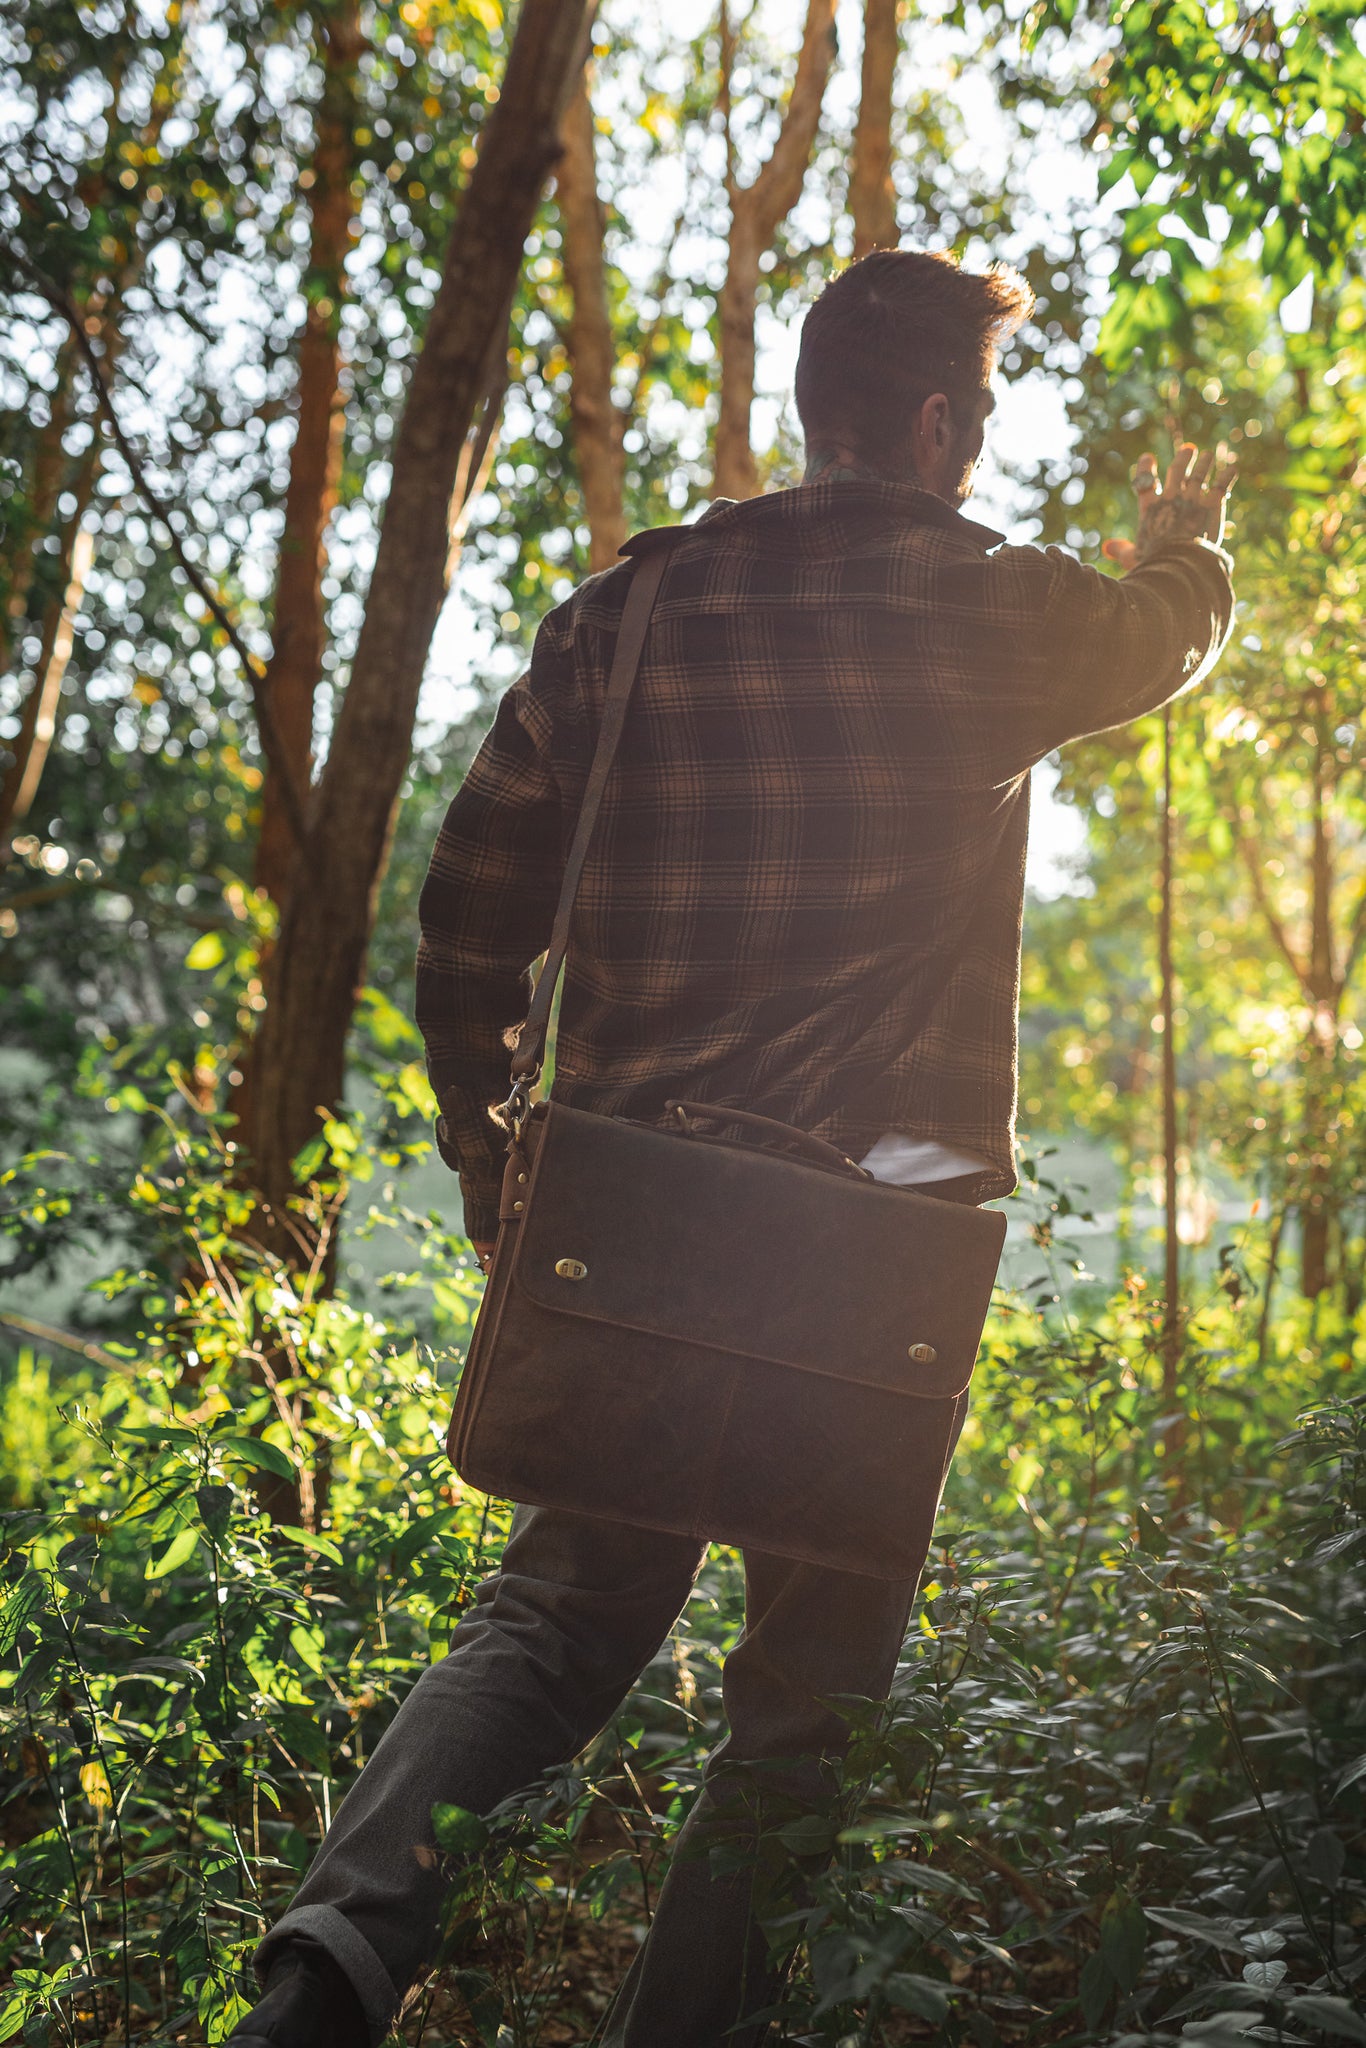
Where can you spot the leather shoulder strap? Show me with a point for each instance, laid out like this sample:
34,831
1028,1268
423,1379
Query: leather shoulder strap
635,620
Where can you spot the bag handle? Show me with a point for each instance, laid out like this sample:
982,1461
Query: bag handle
769,1127
635,620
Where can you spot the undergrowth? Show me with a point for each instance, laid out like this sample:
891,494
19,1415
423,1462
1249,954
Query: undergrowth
1117,1794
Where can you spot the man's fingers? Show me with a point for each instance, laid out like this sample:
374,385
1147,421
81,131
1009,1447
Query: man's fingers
1200,470
1223,479
1145,474
1180,466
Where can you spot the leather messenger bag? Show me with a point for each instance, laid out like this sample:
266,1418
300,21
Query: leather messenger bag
747,1341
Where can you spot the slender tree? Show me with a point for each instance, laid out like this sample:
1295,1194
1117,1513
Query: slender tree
1323,955
757,211
597,422
299,627
47,464
872,197
38,718
296,1064
1171,1304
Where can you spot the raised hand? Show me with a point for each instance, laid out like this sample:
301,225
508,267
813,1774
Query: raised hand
1190,504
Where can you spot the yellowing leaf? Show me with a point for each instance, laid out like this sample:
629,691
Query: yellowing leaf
95,1785
418,1089
207,951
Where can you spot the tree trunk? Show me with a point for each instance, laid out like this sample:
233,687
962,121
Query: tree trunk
298,631
1174,1439
38,720
50,461
872,199
598,424
297,1061
756,213
1325,989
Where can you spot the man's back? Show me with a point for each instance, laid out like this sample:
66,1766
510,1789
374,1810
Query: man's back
803,897
805,890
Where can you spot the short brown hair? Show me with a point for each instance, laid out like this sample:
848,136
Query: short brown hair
889,332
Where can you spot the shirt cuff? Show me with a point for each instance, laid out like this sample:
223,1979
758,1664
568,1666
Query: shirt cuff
473,1146
481,1209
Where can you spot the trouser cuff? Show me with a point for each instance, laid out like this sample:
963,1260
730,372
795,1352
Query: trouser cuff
349,1950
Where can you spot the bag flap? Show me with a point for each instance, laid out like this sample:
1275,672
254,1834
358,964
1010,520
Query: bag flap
744,1251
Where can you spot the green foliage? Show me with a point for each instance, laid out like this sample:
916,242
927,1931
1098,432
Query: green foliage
1268,797
1117,1795
1243,123
185,1676
1117,1790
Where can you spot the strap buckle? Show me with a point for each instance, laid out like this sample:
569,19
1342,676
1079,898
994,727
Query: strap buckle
513,1113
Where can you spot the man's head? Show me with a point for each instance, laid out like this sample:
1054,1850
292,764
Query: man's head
896,361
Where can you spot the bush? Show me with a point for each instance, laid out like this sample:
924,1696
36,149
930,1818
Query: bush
1117,1794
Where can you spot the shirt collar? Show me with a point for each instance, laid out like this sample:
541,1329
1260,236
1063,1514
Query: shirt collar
906,502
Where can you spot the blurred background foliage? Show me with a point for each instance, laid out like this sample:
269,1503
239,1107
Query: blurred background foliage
1119,1795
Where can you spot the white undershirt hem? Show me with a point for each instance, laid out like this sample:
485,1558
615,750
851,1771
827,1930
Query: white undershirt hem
904,1161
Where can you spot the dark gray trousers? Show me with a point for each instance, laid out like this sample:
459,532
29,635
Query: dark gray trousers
551,1646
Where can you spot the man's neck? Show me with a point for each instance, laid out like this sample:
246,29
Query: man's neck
841,465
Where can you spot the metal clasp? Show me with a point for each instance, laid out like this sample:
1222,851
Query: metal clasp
514,1112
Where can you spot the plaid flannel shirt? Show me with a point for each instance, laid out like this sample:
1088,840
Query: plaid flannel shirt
805,891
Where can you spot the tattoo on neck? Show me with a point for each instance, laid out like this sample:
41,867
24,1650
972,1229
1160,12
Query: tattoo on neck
841,465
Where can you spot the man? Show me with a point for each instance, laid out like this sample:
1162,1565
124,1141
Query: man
804,897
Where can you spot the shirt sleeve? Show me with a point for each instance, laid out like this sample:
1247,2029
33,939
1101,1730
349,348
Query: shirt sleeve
485,913
1091,650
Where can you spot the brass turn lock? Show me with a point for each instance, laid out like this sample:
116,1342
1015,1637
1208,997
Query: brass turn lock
571,1269
923,1354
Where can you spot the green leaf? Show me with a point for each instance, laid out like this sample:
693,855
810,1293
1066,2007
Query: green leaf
1123,1939
307,1161
181,1547
215,1507
307,1541
305,1738
1095,1989
920,1995
207,951
1196,1927
24,1600
893,1827
1330,2015
307,1644
484,2001
1326,1856
812,1835
458,1832
253,1450
1353,1775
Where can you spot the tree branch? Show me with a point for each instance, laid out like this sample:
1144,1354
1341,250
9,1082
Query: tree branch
252,668
64,1340
872,199
1356,939
755,213
778,186
1252,862
598,423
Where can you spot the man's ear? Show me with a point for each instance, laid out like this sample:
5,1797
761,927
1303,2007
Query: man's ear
936,422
